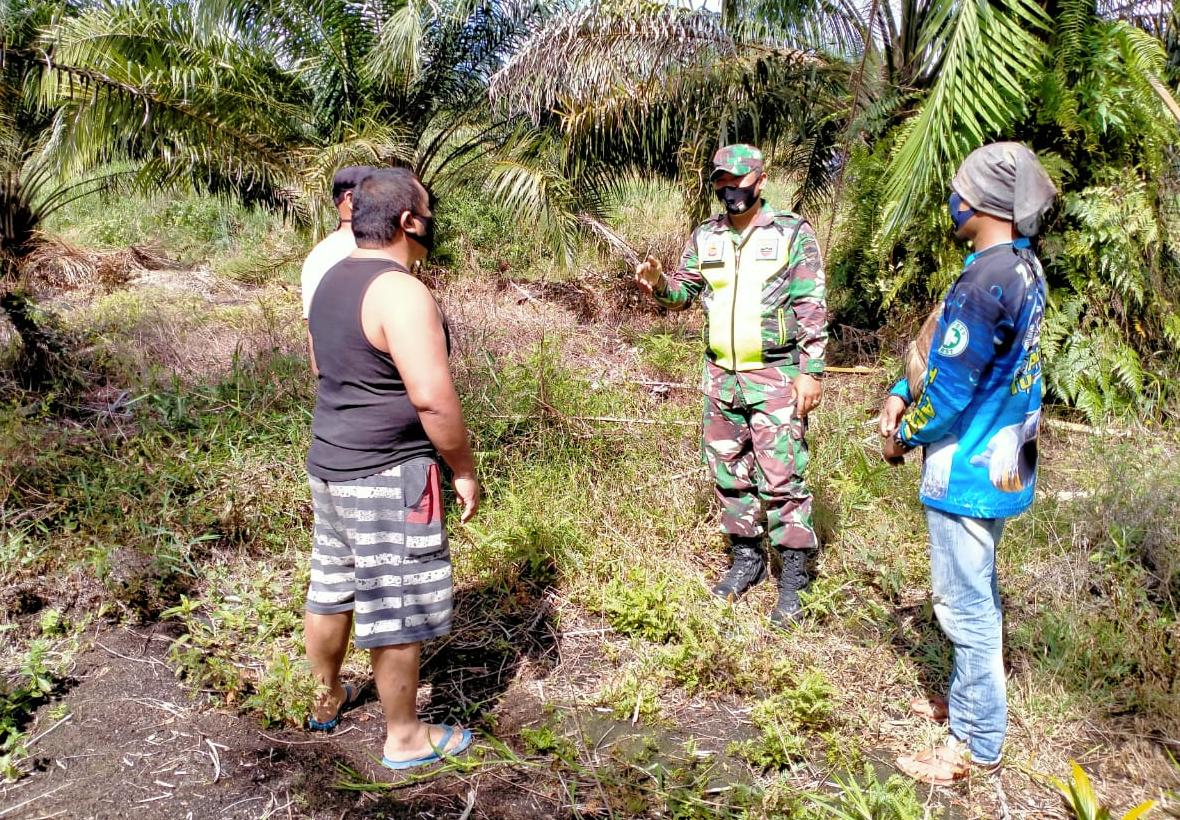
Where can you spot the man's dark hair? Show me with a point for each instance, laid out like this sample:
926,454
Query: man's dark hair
348,178
378,203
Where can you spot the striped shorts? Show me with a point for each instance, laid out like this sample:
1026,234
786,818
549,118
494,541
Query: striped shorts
380,551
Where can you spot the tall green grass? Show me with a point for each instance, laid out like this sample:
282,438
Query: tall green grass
234,240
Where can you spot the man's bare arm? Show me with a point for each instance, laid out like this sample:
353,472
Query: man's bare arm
412,330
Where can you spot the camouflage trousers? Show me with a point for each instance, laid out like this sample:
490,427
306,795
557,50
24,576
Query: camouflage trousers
757,453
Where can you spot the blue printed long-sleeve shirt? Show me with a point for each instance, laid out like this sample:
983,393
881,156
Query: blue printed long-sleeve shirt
978,414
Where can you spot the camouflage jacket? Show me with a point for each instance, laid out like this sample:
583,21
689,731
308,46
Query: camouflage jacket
763,293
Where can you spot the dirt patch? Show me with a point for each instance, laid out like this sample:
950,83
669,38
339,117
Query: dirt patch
135,744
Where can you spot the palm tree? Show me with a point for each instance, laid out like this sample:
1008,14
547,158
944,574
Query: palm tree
265,99
30,190
642,89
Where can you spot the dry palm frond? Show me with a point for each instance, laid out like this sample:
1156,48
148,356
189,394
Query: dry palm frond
591,52
55,264
617,244
592,55
655,90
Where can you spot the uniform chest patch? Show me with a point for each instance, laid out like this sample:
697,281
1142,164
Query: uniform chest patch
766,249
713,251
956,339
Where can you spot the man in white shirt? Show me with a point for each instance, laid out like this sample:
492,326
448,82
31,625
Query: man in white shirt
339,244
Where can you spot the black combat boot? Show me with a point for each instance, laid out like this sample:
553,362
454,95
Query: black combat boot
748,568
792,579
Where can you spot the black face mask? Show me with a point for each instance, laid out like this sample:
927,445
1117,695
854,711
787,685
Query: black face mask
426,238
737,200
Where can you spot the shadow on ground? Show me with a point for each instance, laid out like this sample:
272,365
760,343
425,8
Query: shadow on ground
503,621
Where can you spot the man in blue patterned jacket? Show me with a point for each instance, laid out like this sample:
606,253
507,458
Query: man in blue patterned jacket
977,414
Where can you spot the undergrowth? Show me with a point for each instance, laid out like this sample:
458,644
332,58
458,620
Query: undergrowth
187,501
31,673
237,241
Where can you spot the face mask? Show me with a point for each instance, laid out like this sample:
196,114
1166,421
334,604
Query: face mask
426,238
737,200
959,217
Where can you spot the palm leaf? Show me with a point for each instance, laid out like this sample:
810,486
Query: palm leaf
143,80
397,57
659,88
1140,811
986,54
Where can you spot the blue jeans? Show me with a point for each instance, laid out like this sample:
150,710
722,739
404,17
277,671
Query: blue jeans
967,604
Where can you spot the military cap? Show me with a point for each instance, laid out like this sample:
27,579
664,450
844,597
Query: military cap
738,160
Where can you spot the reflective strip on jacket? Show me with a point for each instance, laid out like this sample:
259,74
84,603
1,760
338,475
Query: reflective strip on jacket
763,292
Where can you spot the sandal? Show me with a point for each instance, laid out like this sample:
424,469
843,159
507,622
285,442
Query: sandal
933,708
436,753
942,765
351,697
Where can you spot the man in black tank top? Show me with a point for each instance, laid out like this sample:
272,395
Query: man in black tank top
386,409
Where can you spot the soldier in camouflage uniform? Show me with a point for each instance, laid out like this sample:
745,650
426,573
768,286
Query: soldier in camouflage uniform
760,278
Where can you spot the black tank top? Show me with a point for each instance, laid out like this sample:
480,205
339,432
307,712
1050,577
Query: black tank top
364,422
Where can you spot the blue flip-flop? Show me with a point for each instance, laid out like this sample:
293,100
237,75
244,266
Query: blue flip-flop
439,752
350,700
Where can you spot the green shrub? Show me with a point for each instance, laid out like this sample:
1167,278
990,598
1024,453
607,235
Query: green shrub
546,740
31,679
286,691
1133,523
777,746
240,640
634,605
1083,802
1115,644
671,355
780,719
868,798
633,693
809,703
478,235
246,243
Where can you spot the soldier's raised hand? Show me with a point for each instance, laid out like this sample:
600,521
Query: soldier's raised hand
648,274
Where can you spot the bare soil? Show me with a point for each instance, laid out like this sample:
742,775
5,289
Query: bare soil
136,744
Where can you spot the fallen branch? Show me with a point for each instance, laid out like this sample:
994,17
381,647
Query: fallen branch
604,420
216,759
855,371
524,293
620,246
61,722
305,742
11,809
149,661
1074,427
470,804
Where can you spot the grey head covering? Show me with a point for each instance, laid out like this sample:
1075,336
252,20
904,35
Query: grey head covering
1007,181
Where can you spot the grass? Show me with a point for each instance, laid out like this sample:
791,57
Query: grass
869,798
176,488
236,241
35,665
